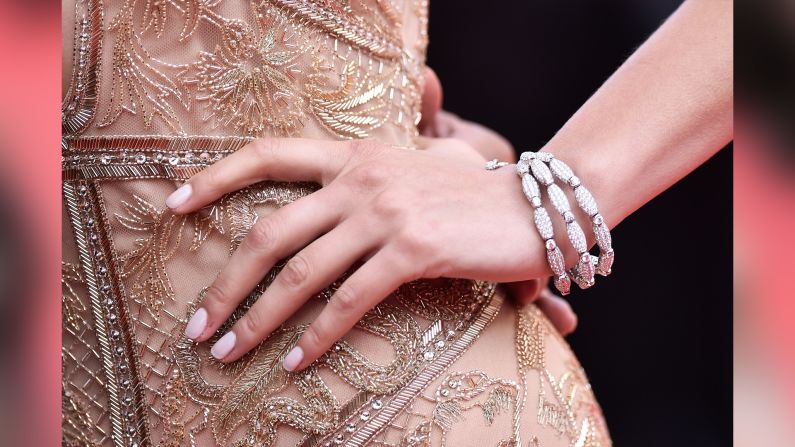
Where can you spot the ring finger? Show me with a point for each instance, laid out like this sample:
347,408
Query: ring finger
308,272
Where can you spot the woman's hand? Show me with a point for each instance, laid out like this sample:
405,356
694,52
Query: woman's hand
484,144
407,214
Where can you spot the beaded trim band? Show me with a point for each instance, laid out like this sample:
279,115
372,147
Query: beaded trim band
543,168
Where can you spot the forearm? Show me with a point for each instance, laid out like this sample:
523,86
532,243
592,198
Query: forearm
663,113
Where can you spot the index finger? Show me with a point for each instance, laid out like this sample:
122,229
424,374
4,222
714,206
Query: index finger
284,159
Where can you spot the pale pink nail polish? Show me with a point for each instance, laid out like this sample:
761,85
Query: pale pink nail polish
196,324
293,359
224,346
180,196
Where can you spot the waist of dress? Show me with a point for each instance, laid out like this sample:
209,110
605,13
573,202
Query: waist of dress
128,157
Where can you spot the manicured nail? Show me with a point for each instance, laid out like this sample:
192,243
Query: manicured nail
180,196
224,346
196,324
293,359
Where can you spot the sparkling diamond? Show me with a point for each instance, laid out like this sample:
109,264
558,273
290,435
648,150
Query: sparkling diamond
598,219
527,156
105,159
365,415
605,264
556,261
530,187
350,428
563,284
577,237
603,238
428,355
543,223
574,181
377,404
550,244
174,159
536,202
585,200
140,158
584,272
558,199
541,171
561,170
546,157
523,167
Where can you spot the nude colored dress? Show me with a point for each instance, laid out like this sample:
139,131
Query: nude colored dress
160,89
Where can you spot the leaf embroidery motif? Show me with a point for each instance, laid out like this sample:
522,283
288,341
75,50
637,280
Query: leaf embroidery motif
262,377
352,110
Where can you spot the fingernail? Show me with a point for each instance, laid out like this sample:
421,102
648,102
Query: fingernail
224,346
180,196
196,324
293,359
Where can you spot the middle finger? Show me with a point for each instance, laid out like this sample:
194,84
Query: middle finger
272,238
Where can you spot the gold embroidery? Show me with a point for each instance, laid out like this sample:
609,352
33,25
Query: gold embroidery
269,75
72,307
139,85
249,81
457,394
76,423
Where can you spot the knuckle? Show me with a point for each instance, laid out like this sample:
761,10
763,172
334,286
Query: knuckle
417,239
344,299
370,176
208,180
265,148
313,336
262,235
296,272
389,206
252,322
215,295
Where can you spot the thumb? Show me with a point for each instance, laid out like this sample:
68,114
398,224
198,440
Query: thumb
431,101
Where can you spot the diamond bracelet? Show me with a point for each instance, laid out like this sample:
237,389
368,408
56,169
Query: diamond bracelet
543,168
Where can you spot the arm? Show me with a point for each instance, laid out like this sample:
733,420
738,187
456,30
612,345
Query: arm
663,113
420,214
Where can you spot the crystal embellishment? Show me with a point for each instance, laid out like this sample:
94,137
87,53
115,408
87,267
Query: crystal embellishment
530,187
556,261
577,237
561,170
563,284
605,264
541,171
543,223
603,238
585,200
558,199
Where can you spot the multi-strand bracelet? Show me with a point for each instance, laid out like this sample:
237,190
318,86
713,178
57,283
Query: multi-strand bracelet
542,168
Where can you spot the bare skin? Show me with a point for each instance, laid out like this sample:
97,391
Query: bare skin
423,214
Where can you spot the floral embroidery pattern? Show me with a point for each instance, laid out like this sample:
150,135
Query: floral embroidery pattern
270,75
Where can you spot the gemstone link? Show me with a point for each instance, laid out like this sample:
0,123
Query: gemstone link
541,172
561,170
558,199
585,200
543,223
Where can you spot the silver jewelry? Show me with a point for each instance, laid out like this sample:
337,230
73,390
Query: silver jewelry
494,164
543,168
544,226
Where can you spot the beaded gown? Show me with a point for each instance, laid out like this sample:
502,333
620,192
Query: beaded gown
158,90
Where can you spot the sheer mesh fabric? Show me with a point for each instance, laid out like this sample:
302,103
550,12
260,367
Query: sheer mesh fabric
323,69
